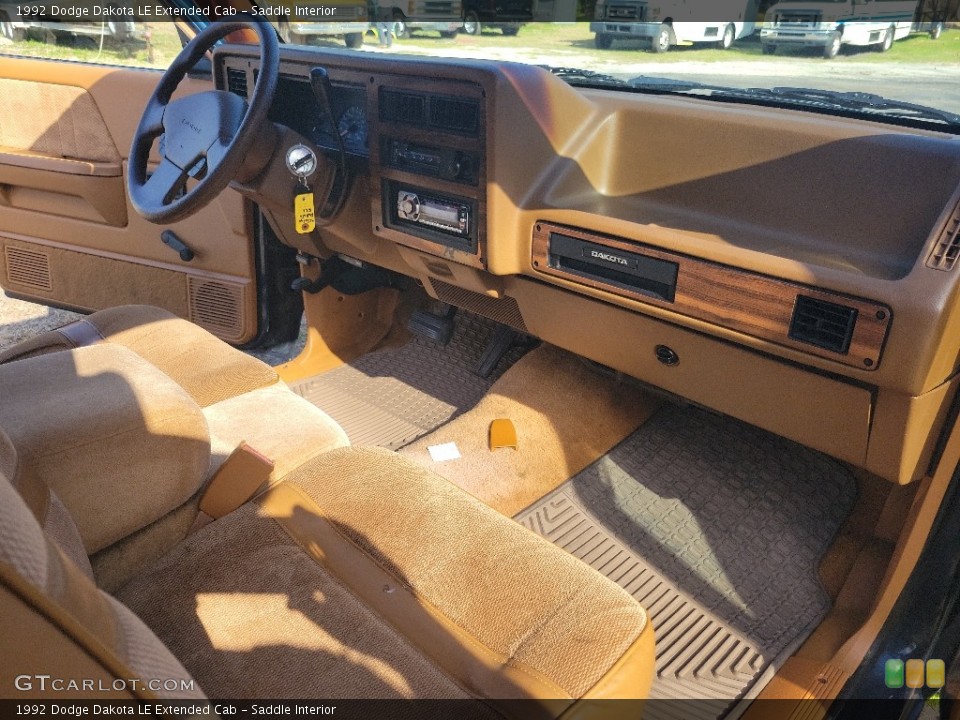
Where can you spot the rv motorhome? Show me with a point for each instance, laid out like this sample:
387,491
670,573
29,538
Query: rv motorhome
672,22
830,24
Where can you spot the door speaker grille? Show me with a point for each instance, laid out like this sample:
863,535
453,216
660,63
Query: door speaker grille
217,306
28,268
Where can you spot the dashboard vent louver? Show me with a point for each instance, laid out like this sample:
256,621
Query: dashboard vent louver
462,116
824,324
237,82
403,107
947,248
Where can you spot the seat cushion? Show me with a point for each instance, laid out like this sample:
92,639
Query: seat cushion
205,366
362,538
116,439
277,423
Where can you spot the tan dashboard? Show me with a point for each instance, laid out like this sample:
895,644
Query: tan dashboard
788,268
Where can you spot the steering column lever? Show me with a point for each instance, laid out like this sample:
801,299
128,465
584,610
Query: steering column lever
323,91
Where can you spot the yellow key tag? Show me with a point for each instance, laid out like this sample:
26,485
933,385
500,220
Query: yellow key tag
303,214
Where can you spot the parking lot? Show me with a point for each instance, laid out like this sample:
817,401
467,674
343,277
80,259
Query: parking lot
917,69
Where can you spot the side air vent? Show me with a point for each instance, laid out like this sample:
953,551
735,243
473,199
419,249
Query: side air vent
217,307
28,268
461,116
824,324
237,82
947,249
403,107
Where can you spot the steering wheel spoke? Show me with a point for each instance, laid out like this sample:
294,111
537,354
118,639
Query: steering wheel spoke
166,182
152,121
216,154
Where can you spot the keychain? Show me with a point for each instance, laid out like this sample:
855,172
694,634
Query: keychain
302,162
303,213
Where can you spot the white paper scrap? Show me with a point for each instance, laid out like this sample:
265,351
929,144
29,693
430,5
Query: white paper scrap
444,452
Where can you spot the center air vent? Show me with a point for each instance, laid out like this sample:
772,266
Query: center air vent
824,324
237,82
462,116
403,107
438,112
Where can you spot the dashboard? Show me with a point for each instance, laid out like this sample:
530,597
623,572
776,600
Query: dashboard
787,268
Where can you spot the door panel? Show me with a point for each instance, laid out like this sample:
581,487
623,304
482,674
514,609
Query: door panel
68,234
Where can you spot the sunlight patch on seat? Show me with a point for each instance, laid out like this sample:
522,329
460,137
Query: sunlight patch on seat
266,619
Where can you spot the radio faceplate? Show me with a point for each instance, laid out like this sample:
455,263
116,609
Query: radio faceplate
459,166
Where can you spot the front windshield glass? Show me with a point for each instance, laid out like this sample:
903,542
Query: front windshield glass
892,60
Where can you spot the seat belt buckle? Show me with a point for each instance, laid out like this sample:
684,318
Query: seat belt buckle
235,482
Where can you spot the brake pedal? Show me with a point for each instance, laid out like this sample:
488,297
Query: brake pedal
438,328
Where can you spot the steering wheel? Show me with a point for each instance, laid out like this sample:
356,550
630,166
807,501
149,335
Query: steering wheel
206,136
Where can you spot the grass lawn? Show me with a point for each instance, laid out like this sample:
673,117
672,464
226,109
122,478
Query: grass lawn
577,39
163,45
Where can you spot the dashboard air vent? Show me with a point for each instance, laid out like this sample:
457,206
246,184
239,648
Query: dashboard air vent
237,82
824,324
403,107
947,249
462,116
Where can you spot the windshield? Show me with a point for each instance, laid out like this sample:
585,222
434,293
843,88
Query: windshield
894,61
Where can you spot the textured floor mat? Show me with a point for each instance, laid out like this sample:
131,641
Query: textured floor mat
392,397
718,529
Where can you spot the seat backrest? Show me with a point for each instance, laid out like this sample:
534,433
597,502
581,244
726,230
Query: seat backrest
63,637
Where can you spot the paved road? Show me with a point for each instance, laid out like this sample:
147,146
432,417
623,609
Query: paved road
938,86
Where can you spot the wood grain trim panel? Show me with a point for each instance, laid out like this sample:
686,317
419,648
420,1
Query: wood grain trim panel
739,300
380,174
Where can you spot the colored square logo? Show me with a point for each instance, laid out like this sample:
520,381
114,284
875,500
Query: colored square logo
915,673
893,673
936,674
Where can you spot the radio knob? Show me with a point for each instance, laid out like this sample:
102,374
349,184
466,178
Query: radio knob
410,207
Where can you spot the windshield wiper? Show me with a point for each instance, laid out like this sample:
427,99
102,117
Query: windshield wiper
856,104
864,102
846,103
586,78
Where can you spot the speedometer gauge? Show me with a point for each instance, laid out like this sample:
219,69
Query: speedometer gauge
352,127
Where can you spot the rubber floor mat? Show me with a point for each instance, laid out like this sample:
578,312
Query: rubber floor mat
718,529
391,397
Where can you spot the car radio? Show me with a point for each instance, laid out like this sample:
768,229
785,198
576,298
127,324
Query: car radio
444,214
